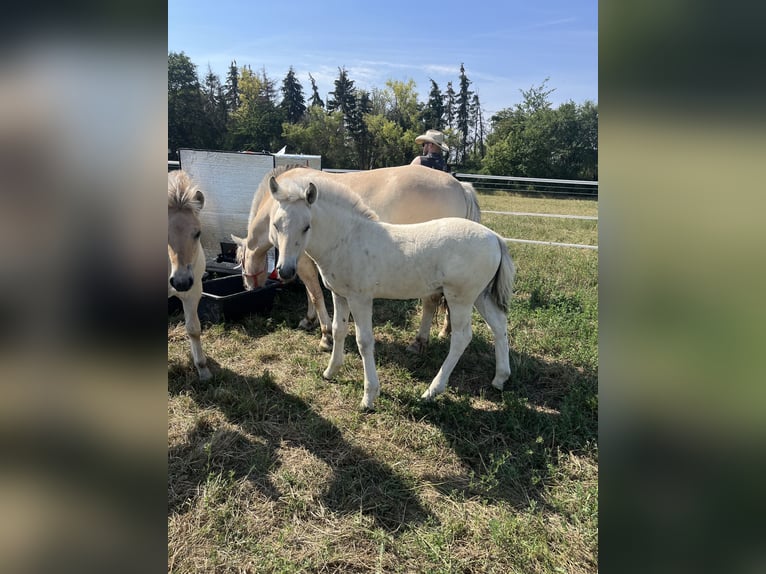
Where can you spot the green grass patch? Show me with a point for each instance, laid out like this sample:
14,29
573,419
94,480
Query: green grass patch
273,469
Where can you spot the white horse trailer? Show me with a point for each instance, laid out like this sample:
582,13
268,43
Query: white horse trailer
229,180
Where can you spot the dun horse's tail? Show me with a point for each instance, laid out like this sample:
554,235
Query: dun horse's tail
501,286
473,211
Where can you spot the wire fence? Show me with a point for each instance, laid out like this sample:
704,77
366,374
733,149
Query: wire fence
531,185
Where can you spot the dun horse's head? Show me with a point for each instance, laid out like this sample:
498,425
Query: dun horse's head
252,261
290,224
185,201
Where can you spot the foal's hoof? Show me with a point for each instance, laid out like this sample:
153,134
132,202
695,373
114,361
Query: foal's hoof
325,344
205,374
498,385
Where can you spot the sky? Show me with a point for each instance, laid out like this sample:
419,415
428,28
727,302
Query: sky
506,46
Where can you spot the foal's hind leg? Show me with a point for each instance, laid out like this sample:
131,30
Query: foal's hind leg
307,271
194,331
461,336
339,332
446,326
498,322
420,342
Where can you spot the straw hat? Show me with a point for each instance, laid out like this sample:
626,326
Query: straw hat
434,137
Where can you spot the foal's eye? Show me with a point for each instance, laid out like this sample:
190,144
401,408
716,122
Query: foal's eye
197,235
307,228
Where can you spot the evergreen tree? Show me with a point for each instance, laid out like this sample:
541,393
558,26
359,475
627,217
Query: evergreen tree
315,99
449,106
462,118
215,110
344,95
231,88
293,103
432,116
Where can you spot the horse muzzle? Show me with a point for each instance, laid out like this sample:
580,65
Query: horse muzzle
181,281
287,271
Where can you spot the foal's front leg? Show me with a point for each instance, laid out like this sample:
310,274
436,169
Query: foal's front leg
194,332
308,273
339,332
361,308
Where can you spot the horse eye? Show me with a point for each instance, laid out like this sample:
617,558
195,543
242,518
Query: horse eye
307,228
197,235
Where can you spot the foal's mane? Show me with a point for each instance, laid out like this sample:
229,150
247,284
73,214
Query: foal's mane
341,195
182,192
263,193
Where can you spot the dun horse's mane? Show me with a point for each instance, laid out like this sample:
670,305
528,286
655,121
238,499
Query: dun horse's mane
182,192
263,189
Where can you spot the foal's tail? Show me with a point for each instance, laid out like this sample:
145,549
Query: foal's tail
501,286
473,211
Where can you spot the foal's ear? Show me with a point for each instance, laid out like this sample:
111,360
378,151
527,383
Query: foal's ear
238,240
311,193
273,186
199,197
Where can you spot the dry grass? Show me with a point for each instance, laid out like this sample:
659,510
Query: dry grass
272,469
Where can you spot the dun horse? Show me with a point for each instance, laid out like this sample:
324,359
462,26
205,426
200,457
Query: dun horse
405,194
186,259
361,258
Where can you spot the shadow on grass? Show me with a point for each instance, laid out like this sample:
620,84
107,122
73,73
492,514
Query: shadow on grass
269,418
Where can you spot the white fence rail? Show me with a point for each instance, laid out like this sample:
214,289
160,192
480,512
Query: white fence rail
543,186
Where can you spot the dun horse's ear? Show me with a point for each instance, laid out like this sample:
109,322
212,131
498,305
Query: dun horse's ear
273,186
199,197
311,193
237,240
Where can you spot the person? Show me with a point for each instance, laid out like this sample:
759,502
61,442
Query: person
433,148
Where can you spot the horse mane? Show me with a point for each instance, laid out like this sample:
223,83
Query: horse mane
263,189
182,192
333,192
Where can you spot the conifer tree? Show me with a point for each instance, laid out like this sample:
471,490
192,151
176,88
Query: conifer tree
231,88
432,116
315,99
293,103
462,116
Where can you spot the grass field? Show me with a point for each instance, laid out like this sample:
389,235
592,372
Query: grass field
273,469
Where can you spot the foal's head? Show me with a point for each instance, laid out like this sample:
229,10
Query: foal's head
185,201
290,223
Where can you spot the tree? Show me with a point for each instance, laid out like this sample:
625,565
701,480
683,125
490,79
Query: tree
231,87
315,99
187,120
344,95
319,133
450,106
463,115
215,110
257,123
293,103
535,140
432,116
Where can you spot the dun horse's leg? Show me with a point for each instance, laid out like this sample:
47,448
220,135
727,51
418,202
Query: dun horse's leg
420,342
339,332
194,331
461,336
307,271
365,342
498,322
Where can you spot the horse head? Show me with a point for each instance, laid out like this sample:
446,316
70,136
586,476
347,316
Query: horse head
290,223
184,229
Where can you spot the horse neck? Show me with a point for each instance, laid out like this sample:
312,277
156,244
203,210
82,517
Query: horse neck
258,226
331,226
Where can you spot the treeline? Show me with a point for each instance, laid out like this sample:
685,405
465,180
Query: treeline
357,129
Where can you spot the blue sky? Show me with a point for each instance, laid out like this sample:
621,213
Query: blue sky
506,46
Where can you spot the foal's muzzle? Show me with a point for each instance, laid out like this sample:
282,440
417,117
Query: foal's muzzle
286,271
